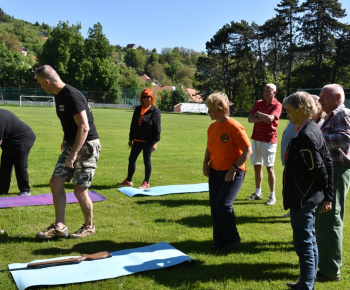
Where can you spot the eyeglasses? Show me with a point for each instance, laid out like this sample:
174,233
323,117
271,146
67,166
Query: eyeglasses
145,97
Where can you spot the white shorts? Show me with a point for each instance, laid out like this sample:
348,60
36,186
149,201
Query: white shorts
263,153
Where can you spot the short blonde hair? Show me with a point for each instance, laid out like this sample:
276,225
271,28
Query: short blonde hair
301,101
218,102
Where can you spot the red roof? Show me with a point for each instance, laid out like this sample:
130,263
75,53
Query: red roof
194,97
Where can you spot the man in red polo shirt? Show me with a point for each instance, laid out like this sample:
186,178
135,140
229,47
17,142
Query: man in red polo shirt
265,116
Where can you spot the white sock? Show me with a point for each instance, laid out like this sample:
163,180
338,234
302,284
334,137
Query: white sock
272,194
258,191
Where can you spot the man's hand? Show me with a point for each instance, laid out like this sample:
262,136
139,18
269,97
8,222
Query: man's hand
154,147
70,161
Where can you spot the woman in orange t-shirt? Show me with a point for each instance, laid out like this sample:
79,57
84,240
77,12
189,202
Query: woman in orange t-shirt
228,148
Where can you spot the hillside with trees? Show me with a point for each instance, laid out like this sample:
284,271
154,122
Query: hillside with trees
304,46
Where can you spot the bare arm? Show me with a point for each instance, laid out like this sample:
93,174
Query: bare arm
261,117
83,128
231,173
206,168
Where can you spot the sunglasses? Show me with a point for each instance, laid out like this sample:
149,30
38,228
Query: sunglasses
145,97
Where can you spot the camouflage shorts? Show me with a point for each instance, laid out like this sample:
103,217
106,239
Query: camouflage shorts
84,166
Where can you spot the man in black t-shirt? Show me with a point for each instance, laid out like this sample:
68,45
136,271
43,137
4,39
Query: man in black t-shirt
80,151
16,140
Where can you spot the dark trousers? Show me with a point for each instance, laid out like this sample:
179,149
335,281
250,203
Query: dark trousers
136,149
221,195
17,158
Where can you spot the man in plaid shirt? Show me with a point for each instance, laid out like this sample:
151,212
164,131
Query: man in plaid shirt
329,225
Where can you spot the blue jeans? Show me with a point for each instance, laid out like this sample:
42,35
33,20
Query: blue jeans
304,239
221,195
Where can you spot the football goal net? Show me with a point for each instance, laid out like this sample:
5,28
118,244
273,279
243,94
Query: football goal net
36,101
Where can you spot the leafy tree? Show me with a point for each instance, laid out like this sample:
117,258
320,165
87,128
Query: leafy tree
179,96
319,27
135,58
64,49
97,44
11,40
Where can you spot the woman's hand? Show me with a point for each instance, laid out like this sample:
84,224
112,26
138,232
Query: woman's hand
206,169
326,206
230,174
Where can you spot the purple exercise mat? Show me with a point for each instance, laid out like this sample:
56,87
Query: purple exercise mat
42,199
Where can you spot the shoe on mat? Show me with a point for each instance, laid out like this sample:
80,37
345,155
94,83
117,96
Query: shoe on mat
287,215
271,201
52,232
24,193
144,185
83,232
320,277
125,183
255,196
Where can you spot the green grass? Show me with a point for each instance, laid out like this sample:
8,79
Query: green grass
264,260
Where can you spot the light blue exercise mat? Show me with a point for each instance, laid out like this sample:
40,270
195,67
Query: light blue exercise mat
124,262
166,189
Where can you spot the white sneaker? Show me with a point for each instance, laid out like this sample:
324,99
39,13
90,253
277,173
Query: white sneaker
255,196
271,201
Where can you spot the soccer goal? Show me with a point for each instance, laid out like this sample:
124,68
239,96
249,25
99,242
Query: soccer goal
36,101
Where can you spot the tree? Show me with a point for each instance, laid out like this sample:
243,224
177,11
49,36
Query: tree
64,49
319,27
179,96
97,44
104,73
135,58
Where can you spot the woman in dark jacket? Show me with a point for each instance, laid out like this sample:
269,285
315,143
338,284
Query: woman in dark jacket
307,182
144,135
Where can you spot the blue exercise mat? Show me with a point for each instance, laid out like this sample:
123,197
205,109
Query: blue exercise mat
124,262
167,189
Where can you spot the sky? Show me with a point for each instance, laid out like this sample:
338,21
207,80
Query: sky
151,24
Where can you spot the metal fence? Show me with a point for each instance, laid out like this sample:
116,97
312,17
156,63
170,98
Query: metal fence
124,98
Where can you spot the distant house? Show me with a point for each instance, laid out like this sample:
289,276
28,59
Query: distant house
24,51
193,96
146,78
157,89
132,46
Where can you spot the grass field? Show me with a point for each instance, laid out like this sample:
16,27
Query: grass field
264,260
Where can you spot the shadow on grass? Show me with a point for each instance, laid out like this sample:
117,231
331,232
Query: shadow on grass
70,186
205,221
189,276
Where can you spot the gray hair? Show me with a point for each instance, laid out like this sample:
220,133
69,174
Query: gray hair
47,72
301,101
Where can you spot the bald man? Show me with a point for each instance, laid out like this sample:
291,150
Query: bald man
329,225
80,151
